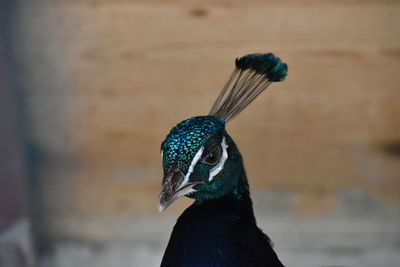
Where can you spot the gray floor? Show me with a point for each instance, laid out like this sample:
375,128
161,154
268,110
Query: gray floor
358,241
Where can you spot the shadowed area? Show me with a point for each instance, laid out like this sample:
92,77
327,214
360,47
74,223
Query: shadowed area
392,149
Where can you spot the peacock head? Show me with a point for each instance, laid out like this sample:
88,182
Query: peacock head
199,158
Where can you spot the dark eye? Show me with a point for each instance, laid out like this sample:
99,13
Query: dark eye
213,156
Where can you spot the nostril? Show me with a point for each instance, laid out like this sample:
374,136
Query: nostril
176,179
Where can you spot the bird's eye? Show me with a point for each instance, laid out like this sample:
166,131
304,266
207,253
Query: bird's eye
213,156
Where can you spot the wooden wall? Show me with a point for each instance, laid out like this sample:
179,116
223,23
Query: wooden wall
104,81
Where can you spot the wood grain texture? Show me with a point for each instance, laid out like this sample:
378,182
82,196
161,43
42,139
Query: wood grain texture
104,83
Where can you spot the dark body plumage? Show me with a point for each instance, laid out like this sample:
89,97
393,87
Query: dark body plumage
220,232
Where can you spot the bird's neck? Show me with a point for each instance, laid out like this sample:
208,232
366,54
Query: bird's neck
237,199
241,191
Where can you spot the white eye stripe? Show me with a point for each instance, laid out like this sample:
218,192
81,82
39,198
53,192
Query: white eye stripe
220,166
191,167
214,171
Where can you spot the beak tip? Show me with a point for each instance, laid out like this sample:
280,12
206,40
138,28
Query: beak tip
161,203
161,208
165,198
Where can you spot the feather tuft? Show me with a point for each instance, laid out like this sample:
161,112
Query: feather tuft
252,75
267,64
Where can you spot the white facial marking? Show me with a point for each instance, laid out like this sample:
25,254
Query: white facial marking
162,153
191,167
220,166
187,190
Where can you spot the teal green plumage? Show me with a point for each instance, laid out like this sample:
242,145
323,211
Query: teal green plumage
267,64
186,138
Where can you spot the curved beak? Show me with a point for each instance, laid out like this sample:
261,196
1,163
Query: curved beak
174,186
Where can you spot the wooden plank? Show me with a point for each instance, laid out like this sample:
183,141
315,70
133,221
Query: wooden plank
105,83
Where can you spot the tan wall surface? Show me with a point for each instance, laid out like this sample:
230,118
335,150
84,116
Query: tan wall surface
104,81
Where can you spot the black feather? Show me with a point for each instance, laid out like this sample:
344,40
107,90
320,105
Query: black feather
220,232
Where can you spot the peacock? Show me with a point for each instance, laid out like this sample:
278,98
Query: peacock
201,161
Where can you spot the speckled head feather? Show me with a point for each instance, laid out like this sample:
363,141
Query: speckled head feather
186,138
252,75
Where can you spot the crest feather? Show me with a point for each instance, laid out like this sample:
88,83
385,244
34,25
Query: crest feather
252,75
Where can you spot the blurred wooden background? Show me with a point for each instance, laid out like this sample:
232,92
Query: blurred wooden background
104,81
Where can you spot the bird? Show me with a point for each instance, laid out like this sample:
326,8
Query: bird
201,161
